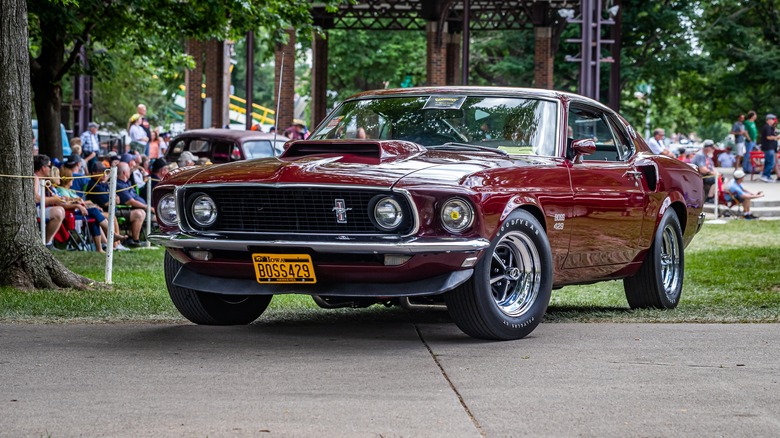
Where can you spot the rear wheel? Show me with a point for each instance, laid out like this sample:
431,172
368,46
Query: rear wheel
508,294
209,308
658,283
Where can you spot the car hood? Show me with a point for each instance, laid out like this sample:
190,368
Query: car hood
339,163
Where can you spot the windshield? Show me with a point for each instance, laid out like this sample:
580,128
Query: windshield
514,125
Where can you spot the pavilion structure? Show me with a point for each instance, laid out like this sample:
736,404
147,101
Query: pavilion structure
447,25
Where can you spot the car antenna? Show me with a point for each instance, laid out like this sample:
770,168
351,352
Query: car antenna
278,101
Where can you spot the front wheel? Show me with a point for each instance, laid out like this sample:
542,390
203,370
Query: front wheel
508,294
658,283
209,308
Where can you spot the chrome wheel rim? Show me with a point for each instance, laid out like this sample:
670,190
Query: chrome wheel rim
515,274
670,262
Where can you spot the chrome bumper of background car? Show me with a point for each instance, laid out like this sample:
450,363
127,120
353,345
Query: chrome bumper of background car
410,245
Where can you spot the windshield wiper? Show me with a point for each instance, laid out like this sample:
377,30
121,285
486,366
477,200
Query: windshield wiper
468,147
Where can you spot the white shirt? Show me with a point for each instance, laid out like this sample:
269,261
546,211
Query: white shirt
138,134
656,145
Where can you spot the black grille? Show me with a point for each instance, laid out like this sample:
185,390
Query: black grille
256,209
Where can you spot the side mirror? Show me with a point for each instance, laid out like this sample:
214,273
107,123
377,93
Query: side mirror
583,146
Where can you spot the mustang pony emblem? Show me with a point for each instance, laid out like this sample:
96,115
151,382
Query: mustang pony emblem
341,211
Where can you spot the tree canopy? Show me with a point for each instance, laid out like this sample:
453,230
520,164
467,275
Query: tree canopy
706,61
144,32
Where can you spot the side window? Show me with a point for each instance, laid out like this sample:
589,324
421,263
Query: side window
221,152
592,124
200,147
177,148
624,146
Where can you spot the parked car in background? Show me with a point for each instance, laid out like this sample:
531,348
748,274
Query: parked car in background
225,145
66,151
484,199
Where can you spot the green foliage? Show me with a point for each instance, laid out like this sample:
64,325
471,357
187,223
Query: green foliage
137,40
502,58
365,60
264,68
125,79
741,44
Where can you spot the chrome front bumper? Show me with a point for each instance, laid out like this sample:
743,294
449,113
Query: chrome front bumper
700,222
410,245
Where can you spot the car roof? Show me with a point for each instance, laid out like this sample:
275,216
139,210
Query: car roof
477,90
235,135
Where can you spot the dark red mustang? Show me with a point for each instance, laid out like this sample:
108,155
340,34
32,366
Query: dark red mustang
483,198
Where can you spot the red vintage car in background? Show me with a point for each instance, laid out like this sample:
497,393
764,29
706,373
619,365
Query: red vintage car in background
225,145
484,198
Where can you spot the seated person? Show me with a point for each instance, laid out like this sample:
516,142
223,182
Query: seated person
55,213
97,191
742,195
136,214
99,227
703,162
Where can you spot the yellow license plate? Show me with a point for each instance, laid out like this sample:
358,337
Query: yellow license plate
284,268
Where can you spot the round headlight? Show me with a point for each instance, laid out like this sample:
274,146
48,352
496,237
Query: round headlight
204,210
388,213
166,210
457,215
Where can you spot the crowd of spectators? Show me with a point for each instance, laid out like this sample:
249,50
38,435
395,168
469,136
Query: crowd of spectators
754,151
78,185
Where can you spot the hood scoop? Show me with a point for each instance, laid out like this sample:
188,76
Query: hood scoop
355,151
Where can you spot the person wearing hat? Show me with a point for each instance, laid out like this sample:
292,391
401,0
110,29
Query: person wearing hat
769,146
90,143
159,169
703,162
187,158
76,166
740,194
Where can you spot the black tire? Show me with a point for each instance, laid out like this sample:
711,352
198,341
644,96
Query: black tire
658,283
209,308
520,261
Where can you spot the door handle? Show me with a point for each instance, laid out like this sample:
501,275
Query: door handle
634,173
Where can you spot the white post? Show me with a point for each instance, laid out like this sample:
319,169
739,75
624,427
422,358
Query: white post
148,207
716,196
111,219
42,194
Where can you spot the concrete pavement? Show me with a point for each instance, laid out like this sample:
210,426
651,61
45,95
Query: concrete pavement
403,378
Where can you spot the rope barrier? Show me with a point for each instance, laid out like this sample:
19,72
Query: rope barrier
105,173
47,184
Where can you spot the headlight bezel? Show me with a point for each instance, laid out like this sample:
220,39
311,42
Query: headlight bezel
164,218
401,214
446,218
193,203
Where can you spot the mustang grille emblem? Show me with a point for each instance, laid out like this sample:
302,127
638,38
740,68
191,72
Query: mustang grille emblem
341,211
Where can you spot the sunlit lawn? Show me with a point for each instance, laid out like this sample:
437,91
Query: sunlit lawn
732,275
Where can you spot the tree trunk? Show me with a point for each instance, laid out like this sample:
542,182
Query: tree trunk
25,263
48,101
46,79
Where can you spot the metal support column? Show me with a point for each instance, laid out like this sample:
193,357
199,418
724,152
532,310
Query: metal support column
591,43
249,81
466,42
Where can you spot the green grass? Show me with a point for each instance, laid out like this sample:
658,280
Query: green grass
732,275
